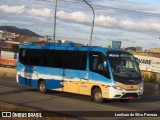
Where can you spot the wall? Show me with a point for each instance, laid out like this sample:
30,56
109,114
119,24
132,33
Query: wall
8,59
148,63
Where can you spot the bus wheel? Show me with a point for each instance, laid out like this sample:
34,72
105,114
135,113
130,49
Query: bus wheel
97,95
124,100
42,86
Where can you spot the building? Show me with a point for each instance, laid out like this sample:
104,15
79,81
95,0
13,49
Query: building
135,49
154,50
5,35
116,44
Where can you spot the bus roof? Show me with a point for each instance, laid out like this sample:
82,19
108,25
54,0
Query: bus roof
116,50
71,46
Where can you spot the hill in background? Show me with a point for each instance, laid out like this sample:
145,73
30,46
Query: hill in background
17,30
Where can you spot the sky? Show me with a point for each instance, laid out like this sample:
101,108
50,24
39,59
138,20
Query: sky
134,22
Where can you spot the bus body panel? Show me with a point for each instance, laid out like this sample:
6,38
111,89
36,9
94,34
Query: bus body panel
73,80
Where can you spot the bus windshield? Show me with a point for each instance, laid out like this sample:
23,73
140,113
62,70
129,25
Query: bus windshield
124,67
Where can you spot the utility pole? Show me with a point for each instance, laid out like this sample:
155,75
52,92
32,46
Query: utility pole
92,21
47,38
55,17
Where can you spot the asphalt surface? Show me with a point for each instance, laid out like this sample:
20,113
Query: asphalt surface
11,91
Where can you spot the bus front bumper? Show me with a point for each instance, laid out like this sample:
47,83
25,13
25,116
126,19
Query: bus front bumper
120,93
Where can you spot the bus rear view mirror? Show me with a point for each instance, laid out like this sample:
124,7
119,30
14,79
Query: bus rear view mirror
105,64
137,61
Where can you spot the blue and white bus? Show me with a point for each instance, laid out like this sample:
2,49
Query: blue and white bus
86,70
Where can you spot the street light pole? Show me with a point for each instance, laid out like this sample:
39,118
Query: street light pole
92,21
55,17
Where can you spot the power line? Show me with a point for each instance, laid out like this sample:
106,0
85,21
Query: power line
77,3
130,11
108,7
19,10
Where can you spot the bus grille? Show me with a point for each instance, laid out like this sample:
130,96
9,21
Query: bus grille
130,95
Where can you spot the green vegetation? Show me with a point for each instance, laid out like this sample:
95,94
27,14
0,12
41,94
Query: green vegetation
151,78
15,48
146,78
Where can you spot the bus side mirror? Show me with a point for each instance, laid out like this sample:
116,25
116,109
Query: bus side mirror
105,64
137,61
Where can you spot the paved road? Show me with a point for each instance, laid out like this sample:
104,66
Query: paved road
13,92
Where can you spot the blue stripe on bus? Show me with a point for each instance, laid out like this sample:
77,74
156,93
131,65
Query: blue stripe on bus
29,82
53,84
50,84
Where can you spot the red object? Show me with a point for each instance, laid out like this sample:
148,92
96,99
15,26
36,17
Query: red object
6,62
130,97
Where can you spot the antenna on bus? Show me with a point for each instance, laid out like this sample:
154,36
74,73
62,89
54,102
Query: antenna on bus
55,17
92,21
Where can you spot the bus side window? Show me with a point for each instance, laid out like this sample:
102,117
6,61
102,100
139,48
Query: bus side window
54,58
75,60
96,63
83,61
26,57
43,58
58,59
96,59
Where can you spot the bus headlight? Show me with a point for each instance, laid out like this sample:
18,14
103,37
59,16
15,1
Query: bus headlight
117,87
141,88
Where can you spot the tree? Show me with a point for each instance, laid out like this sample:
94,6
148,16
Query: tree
15,48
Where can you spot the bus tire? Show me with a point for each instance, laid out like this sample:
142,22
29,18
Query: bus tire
124,100
42,86
97,95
